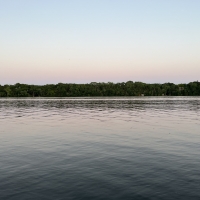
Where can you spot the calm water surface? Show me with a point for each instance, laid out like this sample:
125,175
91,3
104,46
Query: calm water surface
100,148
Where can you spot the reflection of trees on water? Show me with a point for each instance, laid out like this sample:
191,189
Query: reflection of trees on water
105,103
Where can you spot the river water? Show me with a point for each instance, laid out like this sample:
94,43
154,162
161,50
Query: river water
100,148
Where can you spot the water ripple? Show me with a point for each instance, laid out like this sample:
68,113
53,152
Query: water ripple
100,148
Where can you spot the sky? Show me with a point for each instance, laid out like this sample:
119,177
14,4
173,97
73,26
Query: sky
83,41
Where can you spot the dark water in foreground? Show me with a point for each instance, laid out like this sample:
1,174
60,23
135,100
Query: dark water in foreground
100,148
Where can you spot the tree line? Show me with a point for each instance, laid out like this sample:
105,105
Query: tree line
129,88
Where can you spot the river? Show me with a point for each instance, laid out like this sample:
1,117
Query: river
100,148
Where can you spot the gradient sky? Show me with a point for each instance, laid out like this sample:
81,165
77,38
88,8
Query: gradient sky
80,41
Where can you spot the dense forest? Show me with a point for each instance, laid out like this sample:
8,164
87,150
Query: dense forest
100,89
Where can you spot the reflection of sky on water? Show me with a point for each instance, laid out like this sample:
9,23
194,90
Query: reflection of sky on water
144,115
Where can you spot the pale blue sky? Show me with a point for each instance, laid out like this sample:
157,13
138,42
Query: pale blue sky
51,41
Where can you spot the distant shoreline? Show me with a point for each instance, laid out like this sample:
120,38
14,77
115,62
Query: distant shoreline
95,89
